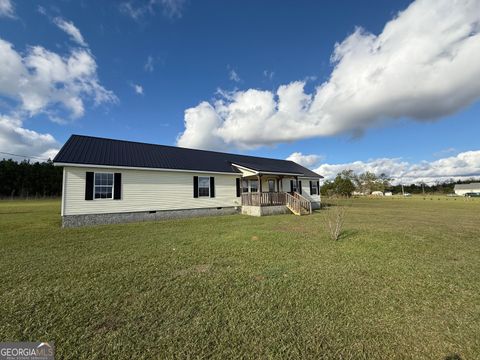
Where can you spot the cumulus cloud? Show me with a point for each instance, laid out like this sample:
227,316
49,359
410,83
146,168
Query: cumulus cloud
71,30
305,160
15,139
38,81
6,9
422,66
138,9
465,165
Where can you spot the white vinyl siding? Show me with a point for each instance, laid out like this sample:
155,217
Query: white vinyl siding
305,188
145,190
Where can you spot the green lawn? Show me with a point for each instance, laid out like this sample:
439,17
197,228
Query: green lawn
403,283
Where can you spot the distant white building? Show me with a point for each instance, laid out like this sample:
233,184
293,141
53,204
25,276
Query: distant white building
377,193
462,189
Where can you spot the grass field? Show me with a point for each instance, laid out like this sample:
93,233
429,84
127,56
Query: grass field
402,283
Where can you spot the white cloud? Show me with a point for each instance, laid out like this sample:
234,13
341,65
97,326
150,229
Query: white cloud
138,89
462,166
6,9
423,65
232,75
138,9
38,81
15,139
305,160
149,64
71,30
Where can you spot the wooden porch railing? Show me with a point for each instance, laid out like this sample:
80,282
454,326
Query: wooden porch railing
263,199
296,202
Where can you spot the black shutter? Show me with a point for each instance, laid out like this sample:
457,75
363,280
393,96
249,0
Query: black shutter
212,186
300,187
318,187
291,185
238,186
195,186
89,185
117,186
311,187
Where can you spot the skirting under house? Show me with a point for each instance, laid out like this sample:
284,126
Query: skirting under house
117,218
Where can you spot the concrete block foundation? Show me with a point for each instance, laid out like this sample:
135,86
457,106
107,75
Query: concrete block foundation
116,218
265,210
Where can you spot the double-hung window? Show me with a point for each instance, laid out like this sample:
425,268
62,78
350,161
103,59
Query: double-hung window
245,186
103,188
271,185
314,188
203,186
253,185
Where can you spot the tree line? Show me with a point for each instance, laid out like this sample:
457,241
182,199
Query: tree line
29,180
347,183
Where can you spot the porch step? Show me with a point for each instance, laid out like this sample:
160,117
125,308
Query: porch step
302,211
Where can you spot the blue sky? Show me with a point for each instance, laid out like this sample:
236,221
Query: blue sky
151,60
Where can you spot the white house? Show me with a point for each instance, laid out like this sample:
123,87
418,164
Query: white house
462,189
111,181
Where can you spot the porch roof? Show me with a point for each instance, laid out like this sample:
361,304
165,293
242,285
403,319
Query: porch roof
282,167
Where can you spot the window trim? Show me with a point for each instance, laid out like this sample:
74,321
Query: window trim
198,186
113,185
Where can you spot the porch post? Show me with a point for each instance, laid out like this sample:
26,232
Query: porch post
260,184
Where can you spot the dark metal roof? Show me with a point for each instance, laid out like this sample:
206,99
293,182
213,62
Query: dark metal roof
91,150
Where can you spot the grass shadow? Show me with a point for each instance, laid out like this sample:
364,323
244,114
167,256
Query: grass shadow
453,357
345,234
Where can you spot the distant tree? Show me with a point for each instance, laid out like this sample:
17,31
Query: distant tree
342,185
25,179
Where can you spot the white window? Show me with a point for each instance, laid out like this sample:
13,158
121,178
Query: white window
103,188
314,188
253,185
203,186
245,186
271,185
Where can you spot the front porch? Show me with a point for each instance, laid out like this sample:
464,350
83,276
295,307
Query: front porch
270,203
270,192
